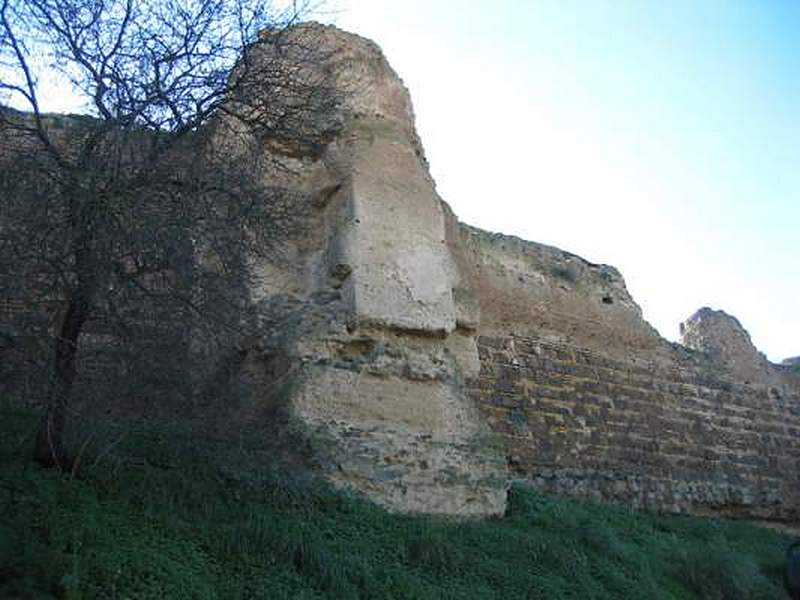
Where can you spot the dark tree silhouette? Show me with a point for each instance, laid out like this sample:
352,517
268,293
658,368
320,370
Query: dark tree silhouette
132,227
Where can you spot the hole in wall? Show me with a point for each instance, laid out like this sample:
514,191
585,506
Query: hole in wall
608,300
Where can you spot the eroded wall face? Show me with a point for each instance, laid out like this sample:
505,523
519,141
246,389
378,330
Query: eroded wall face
363,320
578,422
426,362
401,266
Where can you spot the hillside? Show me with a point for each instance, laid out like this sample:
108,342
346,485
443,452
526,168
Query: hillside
174,523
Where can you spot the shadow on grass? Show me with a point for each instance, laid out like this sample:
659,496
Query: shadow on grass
184,518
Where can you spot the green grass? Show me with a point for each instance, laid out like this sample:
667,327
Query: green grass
189,529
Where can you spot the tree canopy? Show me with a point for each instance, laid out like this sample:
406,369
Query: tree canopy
130,230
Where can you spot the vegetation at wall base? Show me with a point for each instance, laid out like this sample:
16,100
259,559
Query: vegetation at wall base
190,527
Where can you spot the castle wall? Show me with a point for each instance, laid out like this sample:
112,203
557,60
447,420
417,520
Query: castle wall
426,363
365,320
446,359
580,422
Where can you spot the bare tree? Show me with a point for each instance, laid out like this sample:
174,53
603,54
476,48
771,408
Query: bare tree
127,222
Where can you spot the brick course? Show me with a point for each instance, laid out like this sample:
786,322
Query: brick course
578,422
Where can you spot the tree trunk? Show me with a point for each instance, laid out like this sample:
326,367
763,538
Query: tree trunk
49,450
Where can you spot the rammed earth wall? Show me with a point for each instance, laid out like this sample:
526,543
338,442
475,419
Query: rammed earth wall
578,422
425,362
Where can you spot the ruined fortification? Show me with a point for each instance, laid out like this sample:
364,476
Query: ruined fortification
428,363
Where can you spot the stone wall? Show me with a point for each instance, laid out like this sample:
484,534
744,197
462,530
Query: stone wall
680,439
722,338
430,362
364,320
426,363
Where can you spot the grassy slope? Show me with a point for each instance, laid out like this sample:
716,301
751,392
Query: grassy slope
190,530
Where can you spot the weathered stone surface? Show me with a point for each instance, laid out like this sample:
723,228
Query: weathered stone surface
426,362
401,275
529,288
362,316
726,342
680,439
413,444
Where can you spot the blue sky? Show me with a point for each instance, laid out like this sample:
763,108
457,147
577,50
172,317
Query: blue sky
660,137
